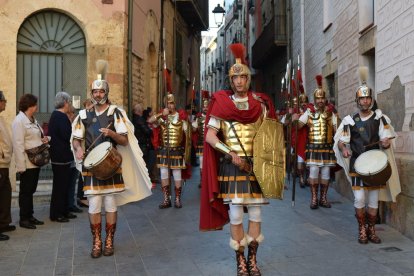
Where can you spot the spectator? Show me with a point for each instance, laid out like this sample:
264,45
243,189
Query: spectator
74,174
62,157
6,150
191,117
142,131
27,134
152,157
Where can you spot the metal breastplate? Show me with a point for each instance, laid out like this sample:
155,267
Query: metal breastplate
320,128
200,127
92,125
174,133
364,133
246,133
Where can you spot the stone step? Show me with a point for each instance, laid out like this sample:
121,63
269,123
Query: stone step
40,197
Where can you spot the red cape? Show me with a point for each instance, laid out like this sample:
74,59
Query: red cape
302,138
213,213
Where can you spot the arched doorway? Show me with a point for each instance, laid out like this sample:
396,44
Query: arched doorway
151,96
51,57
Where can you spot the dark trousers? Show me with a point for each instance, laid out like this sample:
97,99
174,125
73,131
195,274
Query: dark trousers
28,186
60,189
5,197
80,194
74,175
193,157
152,168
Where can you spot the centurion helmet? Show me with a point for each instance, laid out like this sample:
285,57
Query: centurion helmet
363,90
206,98
303,99
100,83
319,93
239,68
169,99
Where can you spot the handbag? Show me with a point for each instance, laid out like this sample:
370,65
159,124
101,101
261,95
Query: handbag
40,155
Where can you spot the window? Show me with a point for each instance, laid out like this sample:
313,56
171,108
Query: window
365,14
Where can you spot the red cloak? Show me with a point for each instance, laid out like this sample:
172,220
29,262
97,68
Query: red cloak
213,213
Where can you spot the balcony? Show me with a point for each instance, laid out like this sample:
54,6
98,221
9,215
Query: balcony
271,42
194,12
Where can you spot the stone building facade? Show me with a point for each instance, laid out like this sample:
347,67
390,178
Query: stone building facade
338,37
49,46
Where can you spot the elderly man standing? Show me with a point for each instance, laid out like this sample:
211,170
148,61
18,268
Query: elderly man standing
60,130
6,150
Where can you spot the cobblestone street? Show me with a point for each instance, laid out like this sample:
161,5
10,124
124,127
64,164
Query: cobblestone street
149,241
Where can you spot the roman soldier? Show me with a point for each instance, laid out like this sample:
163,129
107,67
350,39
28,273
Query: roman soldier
198,126
368,131
170,157
302,134
322,121
228,182
104,124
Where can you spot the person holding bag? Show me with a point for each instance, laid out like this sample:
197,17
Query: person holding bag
27,135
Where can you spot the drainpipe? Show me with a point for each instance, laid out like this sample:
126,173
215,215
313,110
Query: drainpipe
130,17
302,41
288,28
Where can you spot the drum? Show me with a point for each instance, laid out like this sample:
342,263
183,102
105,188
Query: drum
103,161
373,167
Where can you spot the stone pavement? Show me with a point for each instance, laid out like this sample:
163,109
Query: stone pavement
149,241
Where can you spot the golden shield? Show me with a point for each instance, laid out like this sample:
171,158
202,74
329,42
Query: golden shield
269,158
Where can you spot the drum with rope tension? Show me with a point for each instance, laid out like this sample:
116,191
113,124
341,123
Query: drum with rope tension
103,161
373,167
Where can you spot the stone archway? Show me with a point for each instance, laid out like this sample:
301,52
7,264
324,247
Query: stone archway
151,91
51,57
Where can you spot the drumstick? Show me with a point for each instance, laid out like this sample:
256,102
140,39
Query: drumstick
94,141
376,142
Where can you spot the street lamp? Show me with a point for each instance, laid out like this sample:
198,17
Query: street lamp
219,15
